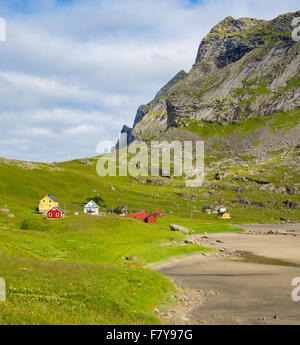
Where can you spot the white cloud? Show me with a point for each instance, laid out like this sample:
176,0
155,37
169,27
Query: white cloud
74,74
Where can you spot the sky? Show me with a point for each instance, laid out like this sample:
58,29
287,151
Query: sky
72,72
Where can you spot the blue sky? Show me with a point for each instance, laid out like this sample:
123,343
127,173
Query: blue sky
72,72
30,6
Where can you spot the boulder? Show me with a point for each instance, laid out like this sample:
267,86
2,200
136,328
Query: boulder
175,227
295,205
280,190
291,204
132,258
291,190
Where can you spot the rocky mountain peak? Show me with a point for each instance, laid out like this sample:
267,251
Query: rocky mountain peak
283,23
245,68
232,25
231,39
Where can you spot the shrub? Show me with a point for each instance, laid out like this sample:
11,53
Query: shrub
24,225
98,200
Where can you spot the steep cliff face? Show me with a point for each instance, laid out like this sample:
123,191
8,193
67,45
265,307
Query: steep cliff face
151,119
245,68
226,42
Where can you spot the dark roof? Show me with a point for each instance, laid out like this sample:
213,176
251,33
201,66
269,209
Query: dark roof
58,209
52,198
151,215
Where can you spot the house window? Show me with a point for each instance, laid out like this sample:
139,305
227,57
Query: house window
57,214
43,201
50,214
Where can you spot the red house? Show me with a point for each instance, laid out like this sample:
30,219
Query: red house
158,214
55,213
151,219
139,215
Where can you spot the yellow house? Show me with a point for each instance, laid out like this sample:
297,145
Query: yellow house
47,203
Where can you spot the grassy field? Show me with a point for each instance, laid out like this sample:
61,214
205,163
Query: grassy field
277,122
75,271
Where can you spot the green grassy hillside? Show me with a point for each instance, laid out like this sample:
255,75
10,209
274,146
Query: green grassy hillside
74,271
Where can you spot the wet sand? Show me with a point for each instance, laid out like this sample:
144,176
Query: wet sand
241,292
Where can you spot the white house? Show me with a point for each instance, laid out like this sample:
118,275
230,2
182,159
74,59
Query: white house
220,209
91,208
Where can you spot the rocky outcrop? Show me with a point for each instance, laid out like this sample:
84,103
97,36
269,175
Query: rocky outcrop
126,137
225,43
174,227
244,68
151,119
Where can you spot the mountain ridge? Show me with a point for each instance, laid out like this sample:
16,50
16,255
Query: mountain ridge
245,68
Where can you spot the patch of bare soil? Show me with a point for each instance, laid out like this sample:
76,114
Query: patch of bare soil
187,300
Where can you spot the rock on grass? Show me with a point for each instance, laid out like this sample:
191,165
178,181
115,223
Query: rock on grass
175,227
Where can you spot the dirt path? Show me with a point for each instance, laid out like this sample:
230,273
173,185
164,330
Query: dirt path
254,288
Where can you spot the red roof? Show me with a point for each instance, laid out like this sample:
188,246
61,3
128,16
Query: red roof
158,213
139,215
151,219
55,213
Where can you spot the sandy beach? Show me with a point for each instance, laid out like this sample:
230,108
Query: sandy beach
253,285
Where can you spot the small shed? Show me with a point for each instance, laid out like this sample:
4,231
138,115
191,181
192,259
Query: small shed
158,214
206,209
151,219
55,213
139,215
91,208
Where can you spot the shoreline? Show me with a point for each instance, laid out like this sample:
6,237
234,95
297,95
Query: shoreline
223,286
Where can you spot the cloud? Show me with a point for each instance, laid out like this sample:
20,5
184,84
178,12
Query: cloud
73,72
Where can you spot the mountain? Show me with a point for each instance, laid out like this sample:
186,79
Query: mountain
151,119
245,69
